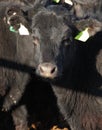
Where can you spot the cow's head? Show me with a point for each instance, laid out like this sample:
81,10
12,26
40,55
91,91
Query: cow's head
55,44
16,17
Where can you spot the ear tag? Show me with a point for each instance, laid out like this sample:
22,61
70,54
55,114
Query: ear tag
23,30
12,29
56,1
83,36
68,2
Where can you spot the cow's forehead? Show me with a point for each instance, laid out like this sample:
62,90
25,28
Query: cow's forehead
47,20
48,24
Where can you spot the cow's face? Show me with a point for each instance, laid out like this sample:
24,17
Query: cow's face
55,50
53,44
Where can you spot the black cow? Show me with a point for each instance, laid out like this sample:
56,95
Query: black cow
70,66
16,58
85,8
88,8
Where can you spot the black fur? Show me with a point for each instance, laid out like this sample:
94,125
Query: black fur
16,57
78,82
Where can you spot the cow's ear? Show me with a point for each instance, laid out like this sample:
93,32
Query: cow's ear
12,10
90,25
17,21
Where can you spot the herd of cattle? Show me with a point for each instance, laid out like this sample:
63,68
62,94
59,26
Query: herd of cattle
62,44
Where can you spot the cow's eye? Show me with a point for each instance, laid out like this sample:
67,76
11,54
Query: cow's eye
35,40
66,42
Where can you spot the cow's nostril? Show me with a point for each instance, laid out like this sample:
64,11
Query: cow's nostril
41,69
53,70
48,70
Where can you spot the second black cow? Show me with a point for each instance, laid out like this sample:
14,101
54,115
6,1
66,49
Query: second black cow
16,58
